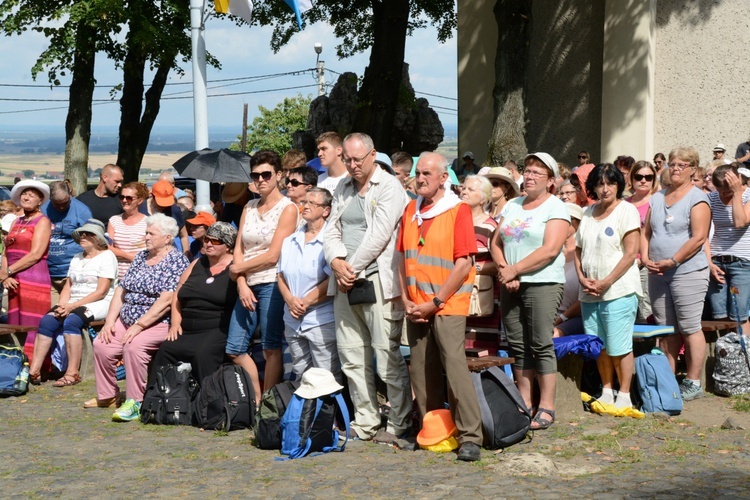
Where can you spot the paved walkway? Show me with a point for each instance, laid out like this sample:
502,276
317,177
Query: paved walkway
53,447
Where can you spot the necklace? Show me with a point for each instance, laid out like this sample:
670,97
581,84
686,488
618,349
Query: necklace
20,227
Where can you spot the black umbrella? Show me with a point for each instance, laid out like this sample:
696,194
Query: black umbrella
215,165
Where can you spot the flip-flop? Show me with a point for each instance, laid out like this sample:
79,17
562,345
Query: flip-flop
542,423
67,381
35,379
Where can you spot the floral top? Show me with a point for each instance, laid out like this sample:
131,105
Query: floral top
143,284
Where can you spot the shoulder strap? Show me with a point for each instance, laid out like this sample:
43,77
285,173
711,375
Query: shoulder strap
345,415
509,387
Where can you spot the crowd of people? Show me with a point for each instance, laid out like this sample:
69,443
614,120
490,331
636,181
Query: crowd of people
345,266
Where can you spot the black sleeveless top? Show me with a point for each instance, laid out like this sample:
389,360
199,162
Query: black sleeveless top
207,301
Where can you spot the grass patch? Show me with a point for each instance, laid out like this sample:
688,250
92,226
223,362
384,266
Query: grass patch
218,455
741,403
220,433
682,448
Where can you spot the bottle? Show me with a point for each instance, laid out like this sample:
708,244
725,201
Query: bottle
22,380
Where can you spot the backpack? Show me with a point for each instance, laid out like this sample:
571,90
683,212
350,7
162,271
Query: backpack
273,405
226,400
14,371
170,398
307,425
732,367
505,418
657,385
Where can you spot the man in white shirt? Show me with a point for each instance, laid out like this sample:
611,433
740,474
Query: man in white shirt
330,147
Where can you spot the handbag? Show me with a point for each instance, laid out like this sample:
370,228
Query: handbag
363,292
482,301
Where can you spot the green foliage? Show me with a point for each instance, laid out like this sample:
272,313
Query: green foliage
274,128
352,21
741,403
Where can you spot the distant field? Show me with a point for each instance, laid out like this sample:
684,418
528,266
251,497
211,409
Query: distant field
43,163
11,164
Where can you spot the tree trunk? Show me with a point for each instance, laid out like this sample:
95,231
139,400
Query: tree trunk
381,84
508,140
78,121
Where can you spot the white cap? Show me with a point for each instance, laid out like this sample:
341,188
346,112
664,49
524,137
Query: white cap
719,147
547,159
468,154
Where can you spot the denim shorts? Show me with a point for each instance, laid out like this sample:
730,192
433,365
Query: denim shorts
612,321
735,274
269,314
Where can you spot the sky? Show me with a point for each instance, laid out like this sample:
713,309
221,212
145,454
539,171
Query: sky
243,52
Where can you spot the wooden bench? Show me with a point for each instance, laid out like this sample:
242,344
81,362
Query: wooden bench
478,364
16,333
87,356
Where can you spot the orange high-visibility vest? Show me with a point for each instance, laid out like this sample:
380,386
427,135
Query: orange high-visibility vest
429,264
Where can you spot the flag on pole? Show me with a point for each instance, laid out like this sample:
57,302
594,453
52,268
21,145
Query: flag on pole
239,8
299,7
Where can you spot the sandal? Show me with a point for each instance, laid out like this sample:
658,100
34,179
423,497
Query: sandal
35,379
542,423
67,380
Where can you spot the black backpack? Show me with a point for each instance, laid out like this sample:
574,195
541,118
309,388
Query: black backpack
14,371
273,405
226,400
505,418
170,398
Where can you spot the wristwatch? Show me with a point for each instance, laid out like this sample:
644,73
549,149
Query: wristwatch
438,303
676,264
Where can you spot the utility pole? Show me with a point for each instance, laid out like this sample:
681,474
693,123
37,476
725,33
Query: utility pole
320,67
243,143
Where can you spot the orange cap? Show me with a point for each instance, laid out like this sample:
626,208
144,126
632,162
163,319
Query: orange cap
202,219
163,193
437,426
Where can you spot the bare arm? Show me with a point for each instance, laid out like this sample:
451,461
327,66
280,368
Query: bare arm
700,221
39,245
287,225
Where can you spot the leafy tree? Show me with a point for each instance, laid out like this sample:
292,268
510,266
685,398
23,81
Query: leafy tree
382,27
274,128
28,174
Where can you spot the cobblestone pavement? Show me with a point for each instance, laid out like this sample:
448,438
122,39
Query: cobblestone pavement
53,447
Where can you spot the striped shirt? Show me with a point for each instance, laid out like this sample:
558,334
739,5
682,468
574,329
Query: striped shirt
728,240
128,238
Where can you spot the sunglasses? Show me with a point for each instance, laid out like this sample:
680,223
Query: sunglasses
496,184
295,183
129,199
213,241
580,157
255,176
647,177
86,233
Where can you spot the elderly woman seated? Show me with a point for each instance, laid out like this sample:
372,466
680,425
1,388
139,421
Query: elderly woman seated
85,297
202,307
138,319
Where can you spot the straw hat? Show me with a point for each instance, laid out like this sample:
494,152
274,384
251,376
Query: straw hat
503,174
317,382
233,191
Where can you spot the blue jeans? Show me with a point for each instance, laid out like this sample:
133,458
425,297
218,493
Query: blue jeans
269,314
735,274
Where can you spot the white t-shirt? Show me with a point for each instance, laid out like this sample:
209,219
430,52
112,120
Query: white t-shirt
84,277
601,244
330,183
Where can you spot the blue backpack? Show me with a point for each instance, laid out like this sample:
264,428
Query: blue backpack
14,371
657,385
307,425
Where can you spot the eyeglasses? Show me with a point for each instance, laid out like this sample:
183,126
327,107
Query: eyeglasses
86,234
534,173
647,177
312,204
129,199
255,176
356,161
583,157
213,241
295,183
679,166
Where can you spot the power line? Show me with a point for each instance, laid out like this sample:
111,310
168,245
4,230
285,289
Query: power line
435,95
248,78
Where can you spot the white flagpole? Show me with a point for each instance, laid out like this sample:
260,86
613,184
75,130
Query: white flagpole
200,106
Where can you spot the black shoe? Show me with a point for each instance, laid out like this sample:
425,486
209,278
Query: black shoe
469,452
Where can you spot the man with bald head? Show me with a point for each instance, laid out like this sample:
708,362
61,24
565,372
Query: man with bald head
360,247
438,244
103,200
